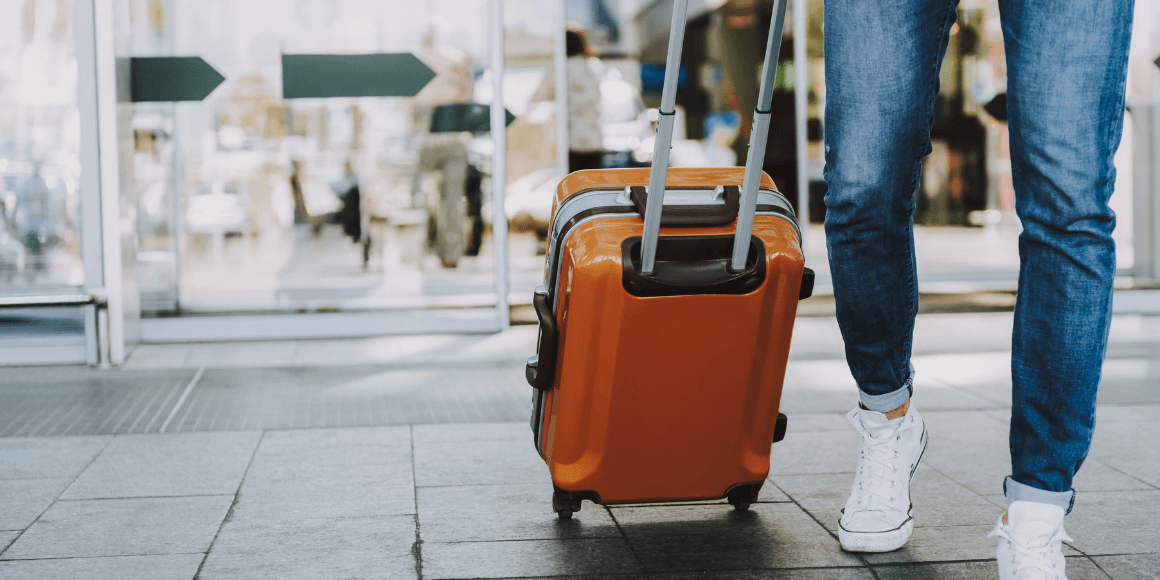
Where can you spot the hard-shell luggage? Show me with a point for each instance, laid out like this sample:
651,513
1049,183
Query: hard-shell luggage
663,343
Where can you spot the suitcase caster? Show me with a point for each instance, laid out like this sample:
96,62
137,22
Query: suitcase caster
742,495
565,504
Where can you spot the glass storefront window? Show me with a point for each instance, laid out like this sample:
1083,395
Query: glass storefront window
251,202
39,147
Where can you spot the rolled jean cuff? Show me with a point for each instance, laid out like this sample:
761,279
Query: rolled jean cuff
892,400
1016,491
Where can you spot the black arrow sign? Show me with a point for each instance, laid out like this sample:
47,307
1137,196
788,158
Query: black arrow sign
172,78
353,75
471,117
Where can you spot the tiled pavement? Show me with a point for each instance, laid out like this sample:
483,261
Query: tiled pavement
367,463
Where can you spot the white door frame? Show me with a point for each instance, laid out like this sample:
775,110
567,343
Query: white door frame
101,224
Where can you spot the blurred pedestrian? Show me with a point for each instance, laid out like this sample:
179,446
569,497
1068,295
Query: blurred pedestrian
1066,76
585,137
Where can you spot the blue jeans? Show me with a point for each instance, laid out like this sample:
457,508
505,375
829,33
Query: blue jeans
1066,76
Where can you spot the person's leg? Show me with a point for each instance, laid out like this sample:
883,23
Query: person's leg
882,76
1067,70
1066,76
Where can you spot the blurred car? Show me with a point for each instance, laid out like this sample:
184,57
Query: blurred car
528,201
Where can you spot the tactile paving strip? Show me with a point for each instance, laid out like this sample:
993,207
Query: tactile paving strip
80,401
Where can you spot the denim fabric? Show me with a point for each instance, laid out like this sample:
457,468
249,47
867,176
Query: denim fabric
1066,67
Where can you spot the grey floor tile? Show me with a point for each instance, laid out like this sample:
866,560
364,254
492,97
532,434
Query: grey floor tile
1129,446
379,349
366,547
938,500
278,353
1131,380
771,493
39,457
6,539
815,452
170,464
504,512
1119,522
934,544
434,434
158,356
123,527
1095,475
692,538
167,567
334,448
997,499
328,473
479,462
862,573
818,386
811,422
527,558
387,493
25,499
935,395
1078,568
970,448
985,375
1131,567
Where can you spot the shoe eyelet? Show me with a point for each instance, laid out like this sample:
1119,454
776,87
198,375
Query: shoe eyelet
896,454
891,498
898,438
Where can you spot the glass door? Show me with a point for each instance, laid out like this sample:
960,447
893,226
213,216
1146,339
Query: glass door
256,201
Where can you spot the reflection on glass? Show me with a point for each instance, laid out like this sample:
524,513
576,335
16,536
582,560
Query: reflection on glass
252,202
39,146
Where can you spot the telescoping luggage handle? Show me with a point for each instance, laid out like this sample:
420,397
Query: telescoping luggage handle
664,140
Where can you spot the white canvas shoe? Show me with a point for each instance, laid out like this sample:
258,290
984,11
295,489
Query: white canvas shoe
1031,542
877,517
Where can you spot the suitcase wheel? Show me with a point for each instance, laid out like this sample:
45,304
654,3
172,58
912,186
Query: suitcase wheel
565,504
741,496
741,506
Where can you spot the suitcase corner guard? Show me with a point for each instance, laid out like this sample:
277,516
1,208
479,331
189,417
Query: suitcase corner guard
541,366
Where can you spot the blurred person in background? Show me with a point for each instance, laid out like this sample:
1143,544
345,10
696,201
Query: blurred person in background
585,136
1066,77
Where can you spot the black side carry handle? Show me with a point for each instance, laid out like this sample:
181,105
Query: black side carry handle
541,368
689,216
807,288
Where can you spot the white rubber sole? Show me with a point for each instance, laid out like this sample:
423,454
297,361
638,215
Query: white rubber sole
876,541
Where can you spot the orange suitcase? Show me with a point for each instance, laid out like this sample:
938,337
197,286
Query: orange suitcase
663,346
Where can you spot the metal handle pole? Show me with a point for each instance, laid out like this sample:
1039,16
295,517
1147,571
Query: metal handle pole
664,141
758,137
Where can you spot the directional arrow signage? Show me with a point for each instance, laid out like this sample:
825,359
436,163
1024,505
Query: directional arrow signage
353,75
172,78
458,117
997,107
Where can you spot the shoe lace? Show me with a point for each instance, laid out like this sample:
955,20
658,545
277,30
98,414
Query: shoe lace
1033,557
878,473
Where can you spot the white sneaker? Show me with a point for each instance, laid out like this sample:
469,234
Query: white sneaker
1031,542
877,516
